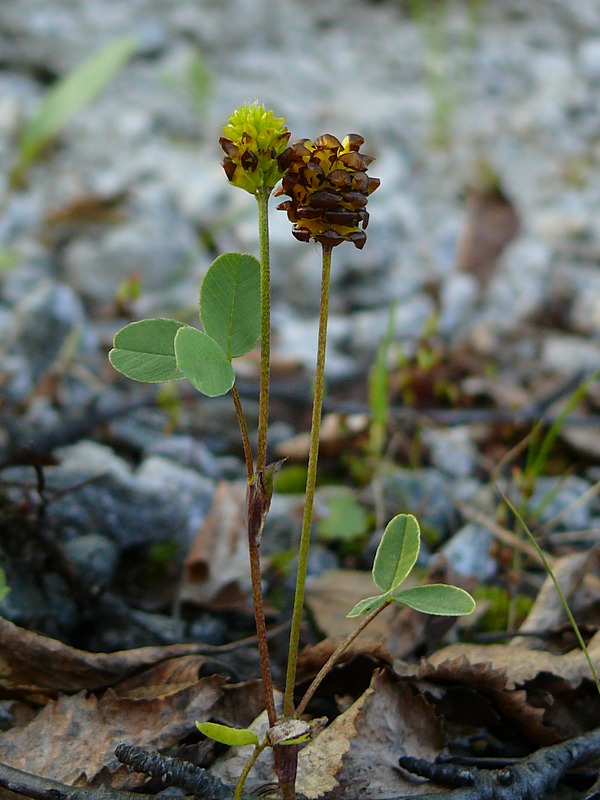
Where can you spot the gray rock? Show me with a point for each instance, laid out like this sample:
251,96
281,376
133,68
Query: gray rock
96,556
49,322
468,552
160,501
426,493
568,355
452,449
563,502
589,58
155,244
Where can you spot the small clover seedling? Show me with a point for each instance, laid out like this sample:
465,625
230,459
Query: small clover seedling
328,188
396,556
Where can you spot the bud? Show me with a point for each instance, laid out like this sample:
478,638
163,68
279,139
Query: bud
328,185
254,141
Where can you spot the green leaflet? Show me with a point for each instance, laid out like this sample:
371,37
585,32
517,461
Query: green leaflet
397,552
230,303
369,604
145,351
437,598
235,737
203,362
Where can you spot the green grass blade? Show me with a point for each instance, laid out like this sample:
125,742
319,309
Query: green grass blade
561,595
69,95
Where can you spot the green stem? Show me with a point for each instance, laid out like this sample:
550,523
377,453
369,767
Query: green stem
334,657
563,599
262,199
311,479
244,773
237,402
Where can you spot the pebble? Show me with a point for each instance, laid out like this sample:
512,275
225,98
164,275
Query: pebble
468,552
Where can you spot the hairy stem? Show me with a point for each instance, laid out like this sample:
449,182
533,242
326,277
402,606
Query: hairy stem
237,402
262,199
335,656
237,795
261,628
319,390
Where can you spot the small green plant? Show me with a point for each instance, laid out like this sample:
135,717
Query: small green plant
62,101
345,523
65,98
328,187
4,588
433,21
559,591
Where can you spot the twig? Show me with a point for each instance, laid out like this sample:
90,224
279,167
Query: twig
27,785
529,779
173,772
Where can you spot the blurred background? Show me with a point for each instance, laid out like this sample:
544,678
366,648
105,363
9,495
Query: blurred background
481,270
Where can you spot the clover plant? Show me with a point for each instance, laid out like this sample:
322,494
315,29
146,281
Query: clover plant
327,186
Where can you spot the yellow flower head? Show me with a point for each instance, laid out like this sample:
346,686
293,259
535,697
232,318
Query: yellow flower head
254,141
328,185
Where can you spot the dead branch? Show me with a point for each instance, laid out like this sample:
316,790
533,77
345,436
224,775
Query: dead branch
529,779
27,785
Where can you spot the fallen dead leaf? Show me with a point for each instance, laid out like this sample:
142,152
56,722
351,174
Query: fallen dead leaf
217,567
477,695
531,692
322,759
312,657
164,678
36,668
547,611
337,432
73,739
491,223
357,755
331,595
520,665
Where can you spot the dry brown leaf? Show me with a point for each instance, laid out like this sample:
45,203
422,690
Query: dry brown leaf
216,570
163,678
321,760
36,667
547,611
492,222
312,657
331,595
73,739
358,753
538,696
337,431
521,666
479,695
239,704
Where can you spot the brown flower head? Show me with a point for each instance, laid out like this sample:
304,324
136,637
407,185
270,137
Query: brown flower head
254,140
328,185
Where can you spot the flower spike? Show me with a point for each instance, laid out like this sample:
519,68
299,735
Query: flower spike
328,186
254,141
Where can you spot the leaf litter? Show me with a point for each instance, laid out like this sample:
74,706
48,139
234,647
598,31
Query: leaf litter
381,704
